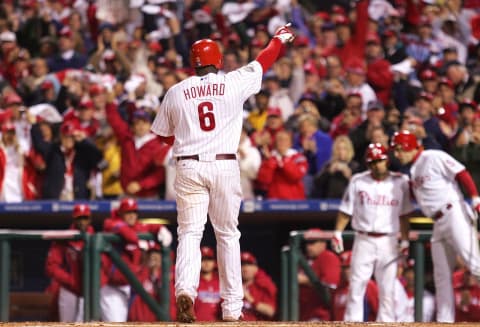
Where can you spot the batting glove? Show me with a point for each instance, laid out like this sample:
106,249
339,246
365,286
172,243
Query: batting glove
337,241
143,245
164,237
404,247
284,34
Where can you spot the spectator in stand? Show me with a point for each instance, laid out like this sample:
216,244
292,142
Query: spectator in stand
467,299
19,170
115,291
307,105
65,266
67,56
83,118
349,118
339,301
429,80
283,169
264,139
395,51
111,187
260,292
326,266
332,180
17,114
414,123
467,149
257,117
356,83
279,97
315,145
332,101
150,275
361,135
467,86
207,304
69,162
249,159
379,74
142,172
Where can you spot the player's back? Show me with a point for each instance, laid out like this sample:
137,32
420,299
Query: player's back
205,113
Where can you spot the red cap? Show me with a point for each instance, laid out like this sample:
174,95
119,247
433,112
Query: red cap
128,204
428,74
12,98
425,95
86,103
248,258
155,46
341,20
301,41
336,9
346,258
274,112
81,210
309,67
314,234
425,21
373,38
468,102
8,126
96,89
356,68
323,15
207,252
46,85
447,82
67,129
65,32
389,32
256,43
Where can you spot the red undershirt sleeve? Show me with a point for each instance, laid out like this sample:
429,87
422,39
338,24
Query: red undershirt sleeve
465,180
267,56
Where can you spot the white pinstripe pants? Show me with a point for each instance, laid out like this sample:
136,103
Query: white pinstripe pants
209,187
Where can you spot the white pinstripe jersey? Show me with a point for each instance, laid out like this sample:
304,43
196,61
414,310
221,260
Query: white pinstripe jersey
204,113
375,206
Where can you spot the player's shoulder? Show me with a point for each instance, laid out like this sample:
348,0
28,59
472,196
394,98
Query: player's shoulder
360,176
251,67
398,175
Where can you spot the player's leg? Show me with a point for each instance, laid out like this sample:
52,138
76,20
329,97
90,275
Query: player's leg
443,258
114,303
225,198
362,264
385,275
192,206
465,239
67,305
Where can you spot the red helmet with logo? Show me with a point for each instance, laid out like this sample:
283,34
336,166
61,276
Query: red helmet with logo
81,210
376,151
406,140
128,204
205,52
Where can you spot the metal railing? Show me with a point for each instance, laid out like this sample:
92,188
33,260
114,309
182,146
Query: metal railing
94,246
292,258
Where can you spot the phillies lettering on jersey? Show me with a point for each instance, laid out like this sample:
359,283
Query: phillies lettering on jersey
376,205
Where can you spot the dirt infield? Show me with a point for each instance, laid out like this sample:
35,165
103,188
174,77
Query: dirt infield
229,324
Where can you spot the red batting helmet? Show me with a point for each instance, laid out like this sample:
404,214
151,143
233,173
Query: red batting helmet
128,204
376,151
205,52
81,210
406,140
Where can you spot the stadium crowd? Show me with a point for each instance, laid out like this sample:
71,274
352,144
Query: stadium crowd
81,80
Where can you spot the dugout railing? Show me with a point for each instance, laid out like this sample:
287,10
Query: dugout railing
95,245
292,258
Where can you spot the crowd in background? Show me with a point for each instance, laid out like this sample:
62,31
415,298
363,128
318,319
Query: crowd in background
81,81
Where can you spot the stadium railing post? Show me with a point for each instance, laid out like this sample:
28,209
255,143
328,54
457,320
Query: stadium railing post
4,277
86,276
96,248
295,239
284,285
419,255
165,290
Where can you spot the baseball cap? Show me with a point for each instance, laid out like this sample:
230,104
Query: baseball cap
86,104
248,258
356,68
67,129
95,89
428,74
301,41
468,103
207,252
11,99
375,105
447,82
142,114
314,234
108,55
8,126
46,85
372,38
275,111
81,210
425,95
341,20
65,32
8,36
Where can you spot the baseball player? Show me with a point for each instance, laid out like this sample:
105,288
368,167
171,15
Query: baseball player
374,200
204,115
436,178
65,266
207,303
340,294
115,293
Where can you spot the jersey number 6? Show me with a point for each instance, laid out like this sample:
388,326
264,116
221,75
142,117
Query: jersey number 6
206,116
